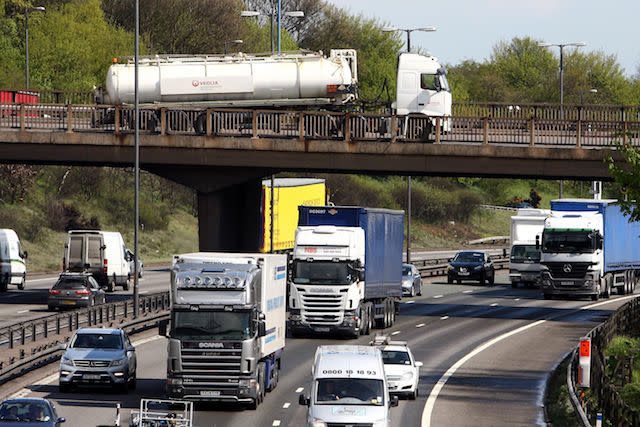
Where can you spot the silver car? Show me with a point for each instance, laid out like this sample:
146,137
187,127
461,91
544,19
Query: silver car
98,357
411,280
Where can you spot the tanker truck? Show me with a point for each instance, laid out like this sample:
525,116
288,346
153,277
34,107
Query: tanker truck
298,81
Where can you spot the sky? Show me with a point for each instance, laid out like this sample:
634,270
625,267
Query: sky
469,29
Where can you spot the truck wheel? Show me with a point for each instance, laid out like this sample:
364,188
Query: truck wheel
261,381
420,289
21,284
110,286
492,280
125,285
274,377
607,289
4,282
514,285
483,279
369,319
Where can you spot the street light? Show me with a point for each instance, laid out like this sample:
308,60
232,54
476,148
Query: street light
561,46
291,14
582,92
231,42
26,37
408,31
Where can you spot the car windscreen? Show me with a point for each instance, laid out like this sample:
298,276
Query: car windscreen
97,340
391,357
70,284
349,391
406,271
525,253
322,272
24,412
469,257
214,325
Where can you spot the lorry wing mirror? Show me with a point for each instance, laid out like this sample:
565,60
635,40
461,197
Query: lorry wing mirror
598,241
360,274
393,401
25,254
538,242
303,400
162,327
262,328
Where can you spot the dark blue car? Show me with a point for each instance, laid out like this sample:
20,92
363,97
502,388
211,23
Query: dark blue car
471,265
29,412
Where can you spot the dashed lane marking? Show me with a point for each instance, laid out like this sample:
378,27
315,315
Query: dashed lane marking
299,389
419,325
395,333
468,291
276,423
409,302
437,296
23,311
517,299
494,304
286,405
444,317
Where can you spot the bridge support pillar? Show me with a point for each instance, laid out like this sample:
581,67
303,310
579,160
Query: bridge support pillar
229,219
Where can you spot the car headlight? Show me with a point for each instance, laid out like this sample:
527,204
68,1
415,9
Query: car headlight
407,375
382,422
66,360
118,362
406,283
318,423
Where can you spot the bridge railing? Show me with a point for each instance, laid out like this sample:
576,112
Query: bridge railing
321,125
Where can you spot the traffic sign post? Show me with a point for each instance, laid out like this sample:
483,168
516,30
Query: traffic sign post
584,367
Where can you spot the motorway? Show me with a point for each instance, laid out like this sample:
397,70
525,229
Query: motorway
487,350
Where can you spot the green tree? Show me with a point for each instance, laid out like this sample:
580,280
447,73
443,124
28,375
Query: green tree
626,174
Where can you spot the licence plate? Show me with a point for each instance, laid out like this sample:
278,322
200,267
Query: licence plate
68,302
566,283
91,377
321,329
209,392
464,273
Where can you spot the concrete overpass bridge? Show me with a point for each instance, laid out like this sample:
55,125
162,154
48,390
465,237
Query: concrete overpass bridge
224,153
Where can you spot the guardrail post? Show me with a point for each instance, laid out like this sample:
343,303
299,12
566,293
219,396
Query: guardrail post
101,310
254,123
438,125
485,131
163,121
69,119
22,116
33,332
209,124
11,338
46,328
116,120
578,134
301,125
23,335
347,127
394,128
532,128
58,325
77,318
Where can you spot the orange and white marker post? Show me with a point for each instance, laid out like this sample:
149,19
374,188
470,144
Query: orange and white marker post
584,368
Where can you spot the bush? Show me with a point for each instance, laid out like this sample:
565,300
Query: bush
65,217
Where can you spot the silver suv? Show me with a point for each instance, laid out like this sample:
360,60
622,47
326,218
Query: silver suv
100,357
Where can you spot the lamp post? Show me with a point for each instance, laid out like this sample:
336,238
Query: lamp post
136,215
26,38
408,31
291,14
561,46
231,42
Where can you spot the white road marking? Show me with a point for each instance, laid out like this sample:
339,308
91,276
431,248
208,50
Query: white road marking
494,304
286,405
437,296
517,299
395,333
23,311
409,302
444,317
299,389
276,423
468,291
431,400
419,325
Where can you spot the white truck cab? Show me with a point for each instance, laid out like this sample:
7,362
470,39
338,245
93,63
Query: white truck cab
349,387
13,268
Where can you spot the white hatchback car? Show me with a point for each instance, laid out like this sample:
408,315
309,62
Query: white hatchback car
401,369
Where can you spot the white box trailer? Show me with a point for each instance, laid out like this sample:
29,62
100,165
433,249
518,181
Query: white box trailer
13,267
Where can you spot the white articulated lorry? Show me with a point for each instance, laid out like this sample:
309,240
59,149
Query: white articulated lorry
227,326
293,81
524,262
589,247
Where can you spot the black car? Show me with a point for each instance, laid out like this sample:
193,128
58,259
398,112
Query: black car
75,290
29,412
471,265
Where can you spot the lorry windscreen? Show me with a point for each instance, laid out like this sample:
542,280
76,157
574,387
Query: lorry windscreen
568,241
222,325
349,391
525,253
322,272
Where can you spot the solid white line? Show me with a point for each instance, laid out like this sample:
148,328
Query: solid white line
494,304
444,317
299,389
419,325
276,423
23,311
395,333
468,291
409,302
517,299
286,405
438,296
431,401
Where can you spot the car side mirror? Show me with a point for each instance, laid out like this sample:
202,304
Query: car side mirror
63,346
61,420
393,401
262,328
131,348
303,400
361,275
449,259
162,327
418,364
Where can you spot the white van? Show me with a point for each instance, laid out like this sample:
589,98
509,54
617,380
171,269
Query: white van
13,268
349,387
101,253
